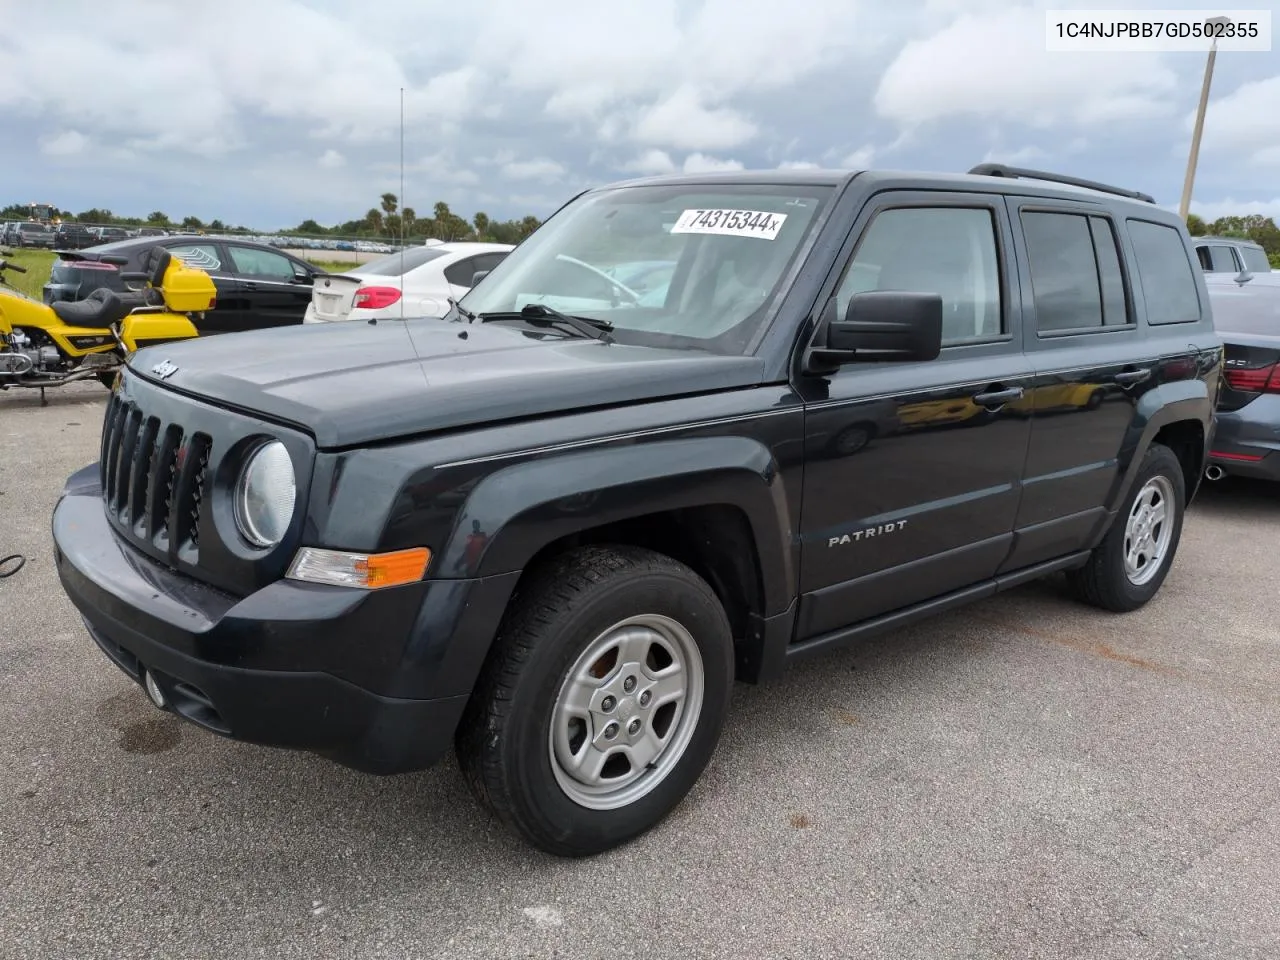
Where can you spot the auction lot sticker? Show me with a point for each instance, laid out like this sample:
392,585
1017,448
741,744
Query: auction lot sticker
731,223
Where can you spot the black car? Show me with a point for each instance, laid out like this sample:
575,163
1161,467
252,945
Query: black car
551,529
74,236
103,235
258,286
1247,440
75,279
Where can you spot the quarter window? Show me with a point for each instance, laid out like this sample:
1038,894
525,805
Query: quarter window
1255,259
950,251
1076,279
1165,272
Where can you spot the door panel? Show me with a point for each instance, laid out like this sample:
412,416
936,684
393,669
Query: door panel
1091,364
274,298
911,484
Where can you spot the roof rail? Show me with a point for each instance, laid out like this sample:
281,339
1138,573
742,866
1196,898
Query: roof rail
1021,173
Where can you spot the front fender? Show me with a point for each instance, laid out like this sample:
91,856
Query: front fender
1155,410
516,511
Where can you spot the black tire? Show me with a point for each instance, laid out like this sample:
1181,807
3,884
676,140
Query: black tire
1103,582
503,741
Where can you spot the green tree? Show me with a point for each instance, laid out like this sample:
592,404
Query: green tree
410,219
481,221
389,201
309,226
192,223
392,224
1196,225
217,225
158,218
373,220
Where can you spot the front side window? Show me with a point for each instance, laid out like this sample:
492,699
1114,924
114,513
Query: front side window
730,245
251,262
950,251
1255,260
1222,260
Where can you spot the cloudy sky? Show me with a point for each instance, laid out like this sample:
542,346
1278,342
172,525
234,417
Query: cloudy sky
265,112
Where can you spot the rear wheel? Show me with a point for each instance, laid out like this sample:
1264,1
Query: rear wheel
602,701
1128,567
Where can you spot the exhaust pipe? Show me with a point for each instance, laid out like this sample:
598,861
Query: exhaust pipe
1215,472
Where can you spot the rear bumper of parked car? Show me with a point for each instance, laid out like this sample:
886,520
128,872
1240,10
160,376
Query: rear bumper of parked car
263,668
1246,442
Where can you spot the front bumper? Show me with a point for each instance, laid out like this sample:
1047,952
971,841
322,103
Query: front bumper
276,667
1246,442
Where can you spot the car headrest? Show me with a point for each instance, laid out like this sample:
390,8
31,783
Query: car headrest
157,263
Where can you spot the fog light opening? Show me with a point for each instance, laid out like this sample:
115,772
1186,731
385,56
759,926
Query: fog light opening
153,690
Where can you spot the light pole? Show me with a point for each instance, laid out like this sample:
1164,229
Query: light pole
1185,207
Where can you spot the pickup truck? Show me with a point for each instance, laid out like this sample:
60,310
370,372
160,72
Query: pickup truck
551,529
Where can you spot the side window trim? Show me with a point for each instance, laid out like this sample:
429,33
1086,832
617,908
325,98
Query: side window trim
991,203
466,263
1086,211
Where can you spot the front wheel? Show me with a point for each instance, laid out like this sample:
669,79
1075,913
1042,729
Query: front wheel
1129,565
602,701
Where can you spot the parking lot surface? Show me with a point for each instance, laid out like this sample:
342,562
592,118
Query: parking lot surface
1025,778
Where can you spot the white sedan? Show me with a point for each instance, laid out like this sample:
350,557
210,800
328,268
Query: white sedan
416,282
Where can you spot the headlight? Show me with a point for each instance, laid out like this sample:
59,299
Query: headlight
265,495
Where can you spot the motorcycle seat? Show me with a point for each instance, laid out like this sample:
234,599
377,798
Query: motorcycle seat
100,309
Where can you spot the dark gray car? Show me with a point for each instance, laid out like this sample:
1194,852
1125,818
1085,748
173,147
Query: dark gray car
1247,440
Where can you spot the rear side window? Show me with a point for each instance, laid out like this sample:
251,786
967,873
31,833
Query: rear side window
398,264
1165,272
1218,259
202,256
1076,278
1255,260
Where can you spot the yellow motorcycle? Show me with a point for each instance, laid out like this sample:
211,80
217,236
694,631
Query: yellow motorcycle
51,345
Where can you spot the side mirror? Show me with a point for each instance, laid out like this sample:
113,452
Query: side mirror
880,325
303,275
478,276
1243,277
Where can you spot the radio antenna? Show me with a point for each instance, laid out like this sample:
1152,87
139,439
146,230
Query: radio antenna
402,280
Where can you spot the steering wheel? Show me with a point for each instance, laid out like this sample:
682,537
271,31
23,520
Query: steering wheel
601,275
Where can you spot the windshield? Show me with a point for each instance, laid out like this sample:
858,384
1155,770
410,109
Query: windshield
1255,259
398,264
682,265
35,228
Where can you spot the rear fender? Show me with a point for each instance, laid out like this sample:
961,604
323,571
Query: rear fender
140,330
23,314
1182,400
517,511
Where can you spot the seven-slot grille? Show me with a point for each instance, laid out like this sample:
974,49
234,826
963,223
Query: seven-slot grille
153,479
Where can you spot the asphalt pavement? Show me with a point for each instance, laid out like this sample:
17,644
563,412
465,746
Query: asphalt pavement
1027,778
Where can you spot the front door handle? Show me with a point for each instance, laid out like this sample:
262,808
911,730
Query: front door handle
997,398
1132,376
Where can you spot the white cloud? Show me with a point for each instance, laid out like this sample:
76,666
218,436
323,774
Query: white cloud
859,159
652,161
1015,158
1212,210
65,144
683,122
996,65
541,169
1246,121
701,163
798,165
332,160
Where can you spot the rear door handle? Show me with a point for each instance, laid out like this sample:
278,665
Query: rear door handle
1131,376
998,398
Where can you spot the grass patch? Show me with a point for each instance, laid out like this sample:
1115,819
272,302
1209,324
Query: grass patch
333,266
38,263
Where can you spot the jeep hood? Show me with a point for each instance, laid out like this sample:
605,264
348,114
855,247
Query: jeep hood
354,382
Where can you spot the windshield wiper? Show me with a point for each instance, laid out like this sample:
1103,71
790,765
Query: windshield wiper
540,313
